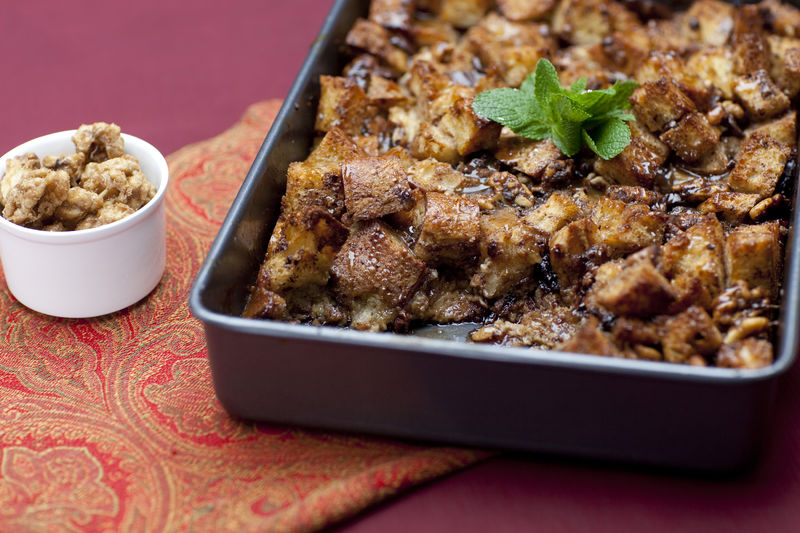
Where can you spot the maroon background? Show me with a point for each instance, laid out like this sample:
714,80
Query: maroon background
178,72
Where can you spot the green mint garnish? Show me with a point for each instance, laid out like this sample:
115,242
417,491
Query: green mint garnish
541,108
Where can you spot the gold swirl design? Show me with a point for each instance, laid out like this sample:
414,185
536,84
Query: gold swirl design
112,423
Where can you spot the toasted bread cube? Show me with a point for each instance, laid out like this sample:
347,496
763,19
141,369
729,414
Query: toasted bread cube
623,51
639,162
568,247
373,38
759,164
733,206
782,129
513,48
695,262
626,228
519,10
432,175
713,20
317,181
301,250
638,290
671,65
589,21
690,333
385,93
692,137
509,250
784,18
528,156
463,13
759,95
755,256
589,339
342,104
658,103
431,141
375,274
450,231
445,301
714,66
263,303
392,14
431,32
785,63
750,47
747,353
556,212
469,132
375,187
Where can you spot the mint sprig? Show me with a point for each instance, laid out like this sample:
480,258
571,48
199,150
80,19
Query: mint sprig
541,108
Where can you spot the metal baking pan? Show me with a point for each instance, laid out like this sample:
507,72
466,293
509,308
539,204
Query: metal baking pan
427,388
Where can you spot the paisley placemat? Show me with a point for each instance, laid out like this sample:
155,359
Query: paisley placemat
111,424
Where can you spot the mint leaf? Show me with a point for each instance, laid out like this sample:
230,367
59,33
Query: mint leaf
609,139
508,107
545,82
541,108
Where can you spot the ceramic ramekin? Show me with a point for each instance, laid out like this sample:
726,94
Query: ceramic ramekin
91,272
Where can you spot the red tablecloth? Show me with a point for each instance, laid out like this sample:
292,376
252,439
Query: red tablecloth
112,423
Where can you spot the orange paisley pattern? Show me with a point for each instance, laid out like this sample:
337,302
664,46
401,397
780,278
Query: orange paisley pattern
111,424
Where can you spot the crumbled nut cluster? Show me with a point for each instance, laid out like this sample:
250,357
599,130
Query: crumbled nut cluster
96,185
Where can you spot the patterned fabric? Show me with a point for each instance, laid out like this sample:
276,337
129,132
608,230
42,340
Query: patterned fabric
112,424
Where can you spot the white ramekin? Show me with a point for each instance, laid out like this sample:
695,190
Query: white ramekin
91,272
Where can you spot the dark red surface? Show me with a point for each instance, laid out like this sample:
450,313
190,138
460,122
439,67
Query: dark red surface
178,72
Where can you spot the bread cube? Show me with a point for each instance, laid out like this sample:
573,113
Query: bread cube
785,63
373,38
759,95
509,249
375,187
623,51
754,255
626,228
750,46
440,300
589,339
375,274
695,262
463,13
671,65
690,333
734,207
713,21
759,164
638,290
520,10
432,32
432,175
714,66
639,162
301,250
392,14
450,231
529,156
568,248
317,181
784,18
385,93
782,129
692,137
587,22
658,103
556,212
342,104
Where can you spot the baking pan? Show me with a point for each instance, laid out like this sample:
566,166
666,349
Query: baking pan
422,387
